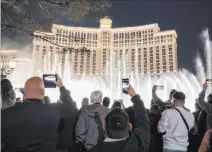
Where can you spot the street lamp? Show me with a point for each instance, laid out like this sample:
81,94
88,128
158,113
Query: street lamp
7,68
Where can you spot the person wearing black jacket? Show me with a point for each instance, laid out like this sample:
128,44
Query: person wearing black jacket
118,138
32,126
66,132
156,141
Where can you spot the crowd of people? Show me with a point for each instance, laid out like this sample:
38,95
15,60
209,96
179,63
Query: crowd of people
34,124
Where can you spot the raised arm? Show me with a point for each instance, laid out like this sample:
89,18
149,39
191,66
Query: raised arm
156,99
67,108
206,106
141,126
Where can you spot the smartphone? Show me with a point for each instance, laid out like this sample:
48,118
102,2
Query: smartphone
209,81
160,87
125,85
50,80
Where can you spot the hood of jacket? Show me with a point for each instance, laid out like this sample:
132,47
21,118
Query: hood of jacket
92,110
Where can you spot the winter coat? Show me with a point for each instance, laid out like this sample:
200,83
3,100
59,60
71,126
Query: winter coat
90,124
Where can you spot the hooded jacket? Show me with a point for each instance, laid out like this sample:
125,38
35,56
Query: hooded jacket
87,128
139,136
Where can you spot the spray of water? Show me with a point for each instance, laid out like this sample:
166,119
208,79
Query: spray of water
110,84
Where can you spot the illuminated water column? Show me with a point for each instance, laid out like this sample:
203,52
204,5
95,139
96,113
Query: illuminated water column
119,86
55,63
66,69
49,62
44,64
136,67
111,64
124,63
165,84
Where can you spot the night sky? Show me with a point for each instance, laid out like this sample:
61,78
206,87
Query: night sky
187,18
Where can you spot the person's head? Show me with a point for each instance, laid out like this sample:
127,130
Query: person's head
117,124
85,102
116,104
210,98
34,88
106,101
96,97
7,93
18,99
155,110
46,100
178,98
171,93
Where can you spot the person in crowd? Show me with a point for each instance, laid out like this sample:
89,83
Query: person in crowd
46,100
202,121
18,101
158,101
85,102
116,104
207,106
122,103
66,132
175,125
120,137
106,102
156,141
7,94
206,145
195,138
130,111
35,125
89,128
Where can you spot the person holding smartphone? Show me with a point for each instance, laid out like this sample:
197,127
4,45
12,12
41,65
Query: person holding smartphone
207,106
33,125
120,136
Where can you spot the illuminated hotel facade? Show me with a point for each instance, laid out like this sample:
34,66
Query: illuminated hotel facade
140,49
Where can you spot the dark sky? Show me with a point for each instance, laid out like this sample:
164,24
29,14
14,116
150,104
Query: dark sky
187,18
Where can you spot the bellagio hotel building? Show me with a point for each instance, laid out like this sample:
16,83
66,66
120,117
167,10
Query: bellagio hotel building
144,49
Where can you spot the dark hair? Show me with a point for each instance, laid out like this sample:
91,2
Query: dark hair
117,122
172,92
18,98
179,95
106,101
85,101
7,93
116,104
46,99
210,98
155,109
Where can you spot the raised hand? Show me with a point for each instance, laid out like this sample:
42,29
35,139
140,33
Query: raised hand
205,86
131,91
154,88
